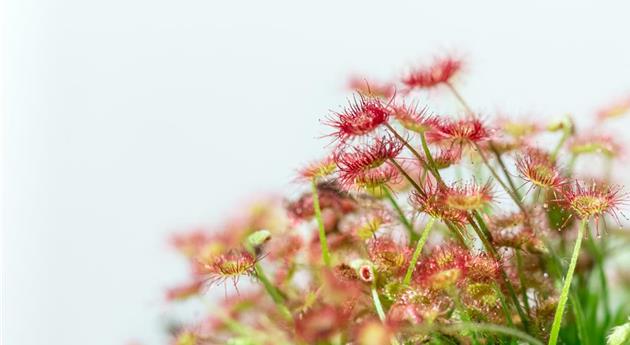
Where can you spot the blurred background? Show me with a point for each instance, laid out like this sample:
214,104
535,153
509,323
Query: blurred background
128,120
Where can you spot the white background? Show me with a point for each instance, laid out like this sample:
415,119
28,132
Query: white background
130,119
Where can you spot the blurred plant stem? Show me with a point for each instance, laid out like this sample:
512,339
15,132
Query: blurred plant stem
320,223
418,251
557,319
401,215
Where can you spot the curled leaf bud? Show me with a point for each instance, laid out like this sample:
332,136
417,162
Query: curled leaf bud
565,124
258,238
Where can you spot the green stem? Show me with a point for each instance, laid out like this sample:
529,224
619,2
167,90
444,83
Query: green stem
273,292
476,326
483,227
418,251
504,307
563,139
497,154
435,173
487,327
463,312
521,277
556,272
401,215
599,261
379,308
457,233
320,223
242,330
580,320
459,97
494,255
496,177
423,176
377,302
409,178
433,169
430,159
450,226
557,319
404,142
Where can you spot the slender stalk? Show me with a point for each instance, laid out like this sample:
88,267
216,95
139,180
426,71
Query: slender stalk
234,326
483,227
409,178
418,251
493,254
320,223
450,226
521,277
599,262
488,327
404,141
484,240
273,292
580,320
496,177
556,269
563,139
459,97
497,154
463,102
380,311
430,159
557,319
453,293
504,307
457,233
401,215
477,326
435,173
377,302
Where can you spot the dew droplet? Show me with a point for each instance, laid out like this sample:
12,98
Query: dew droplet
545,205
545,275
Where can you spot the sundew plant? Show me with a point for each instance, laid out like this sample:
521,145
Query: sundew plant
423,227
